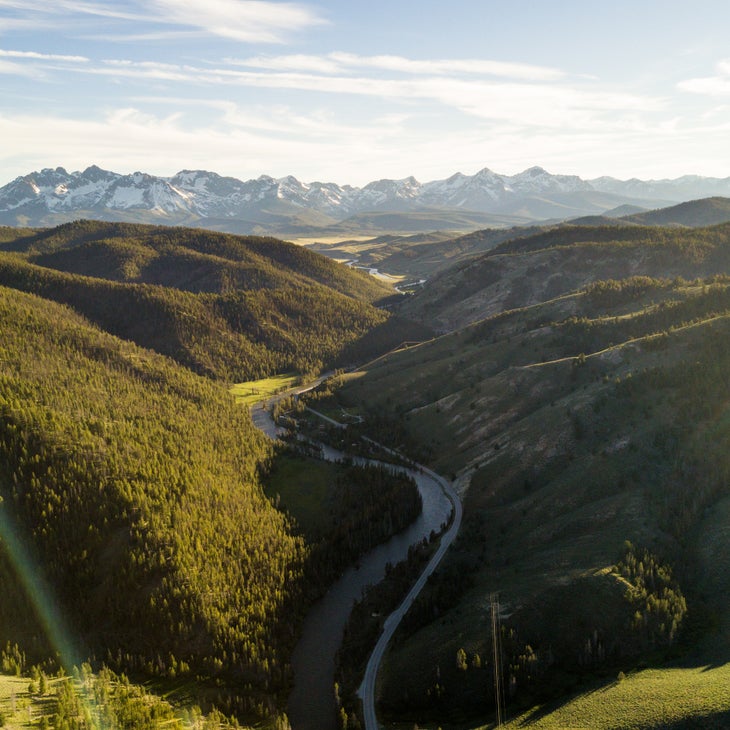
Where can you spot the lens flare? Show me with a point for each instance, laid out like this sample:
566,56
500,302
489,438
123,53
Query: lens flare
48,612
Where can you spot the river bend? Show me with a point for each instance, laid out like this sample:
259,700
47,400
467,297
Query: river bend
312,703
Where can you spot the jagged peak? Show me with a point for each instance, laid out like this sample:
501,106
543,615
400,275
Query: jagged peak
485,172
534,171
206,194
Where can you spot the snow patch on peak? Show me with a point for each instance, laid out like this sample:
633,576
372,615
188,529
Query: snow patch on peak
484,172
209,195
534,171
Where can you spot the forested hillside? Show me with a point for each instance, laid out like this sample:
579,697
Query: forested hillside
228,307
134,484
185,258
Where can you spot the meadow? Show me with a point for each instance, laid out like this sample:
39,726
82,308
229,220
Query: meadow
254,391
681,697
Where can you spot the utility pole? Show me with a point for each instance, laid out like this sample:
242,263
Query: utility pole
497,659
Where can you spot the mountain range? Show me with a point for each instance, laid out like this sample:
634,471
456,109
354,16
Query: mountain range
287,205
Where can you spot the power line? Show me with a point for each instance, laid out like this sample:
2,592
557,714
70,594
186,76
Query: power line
497,659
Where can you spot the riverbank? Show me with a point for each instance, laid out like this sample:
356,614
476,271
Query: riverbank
312,704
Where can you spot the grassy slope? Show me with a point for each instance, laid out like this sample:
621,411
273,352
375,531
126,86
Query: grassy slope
425,255
106,698
254,391
562,259
675,698
694,213
565,461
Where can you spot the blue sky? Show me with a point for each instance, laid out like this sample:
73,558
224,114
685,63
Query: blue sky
348,92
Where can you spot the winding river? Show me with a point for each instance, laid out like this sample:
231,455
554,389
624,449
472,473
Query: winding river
312,702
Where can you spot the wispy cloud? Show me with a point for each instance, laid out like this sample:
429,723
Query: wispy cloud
524,95
285,120
341,62
254,21
9,68
717,85
128,139
243,142
35,56
292,62
554,103
72,7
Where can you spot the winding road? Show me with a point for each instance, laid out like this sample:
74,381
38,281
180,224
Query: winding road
366,692
311,704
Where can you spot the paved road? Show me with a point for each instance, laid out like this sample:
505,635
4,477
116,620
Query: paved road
366,692
428,481
261,412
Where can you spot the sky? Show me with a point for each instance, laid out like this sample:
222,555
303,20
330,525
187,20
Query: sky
347,91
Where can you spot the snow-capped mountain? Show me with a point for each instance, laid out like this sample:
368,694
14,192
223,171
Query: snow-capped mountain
205,198
94,189
681,189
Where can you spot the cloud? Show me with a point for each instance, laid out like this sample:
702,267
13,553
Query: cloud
338,62
64,8
128,139
449,67
34,56
292,62
253,21
244,143
10,68
718,85
551,104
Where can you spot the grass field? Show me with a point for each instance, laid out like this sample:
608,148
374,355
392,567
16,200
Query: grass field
255,391
670,699
330,240
20,709
697,697
100,701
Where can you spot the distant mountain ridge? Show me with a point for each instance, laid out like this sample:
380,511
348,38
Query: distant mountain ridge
206,199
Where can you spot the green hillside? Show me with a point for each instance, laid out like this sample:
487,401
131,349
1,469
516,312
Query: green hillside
679,698
694,214
132,484
534,269
425,255
185,258
571,427
224,306
134,527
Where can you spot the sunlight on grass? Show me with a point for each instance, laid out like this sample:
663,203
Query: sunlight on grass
18,707
255,391
652,698
330,240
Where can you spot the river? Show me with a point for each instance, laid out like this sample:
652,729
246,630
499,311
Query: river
312,702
